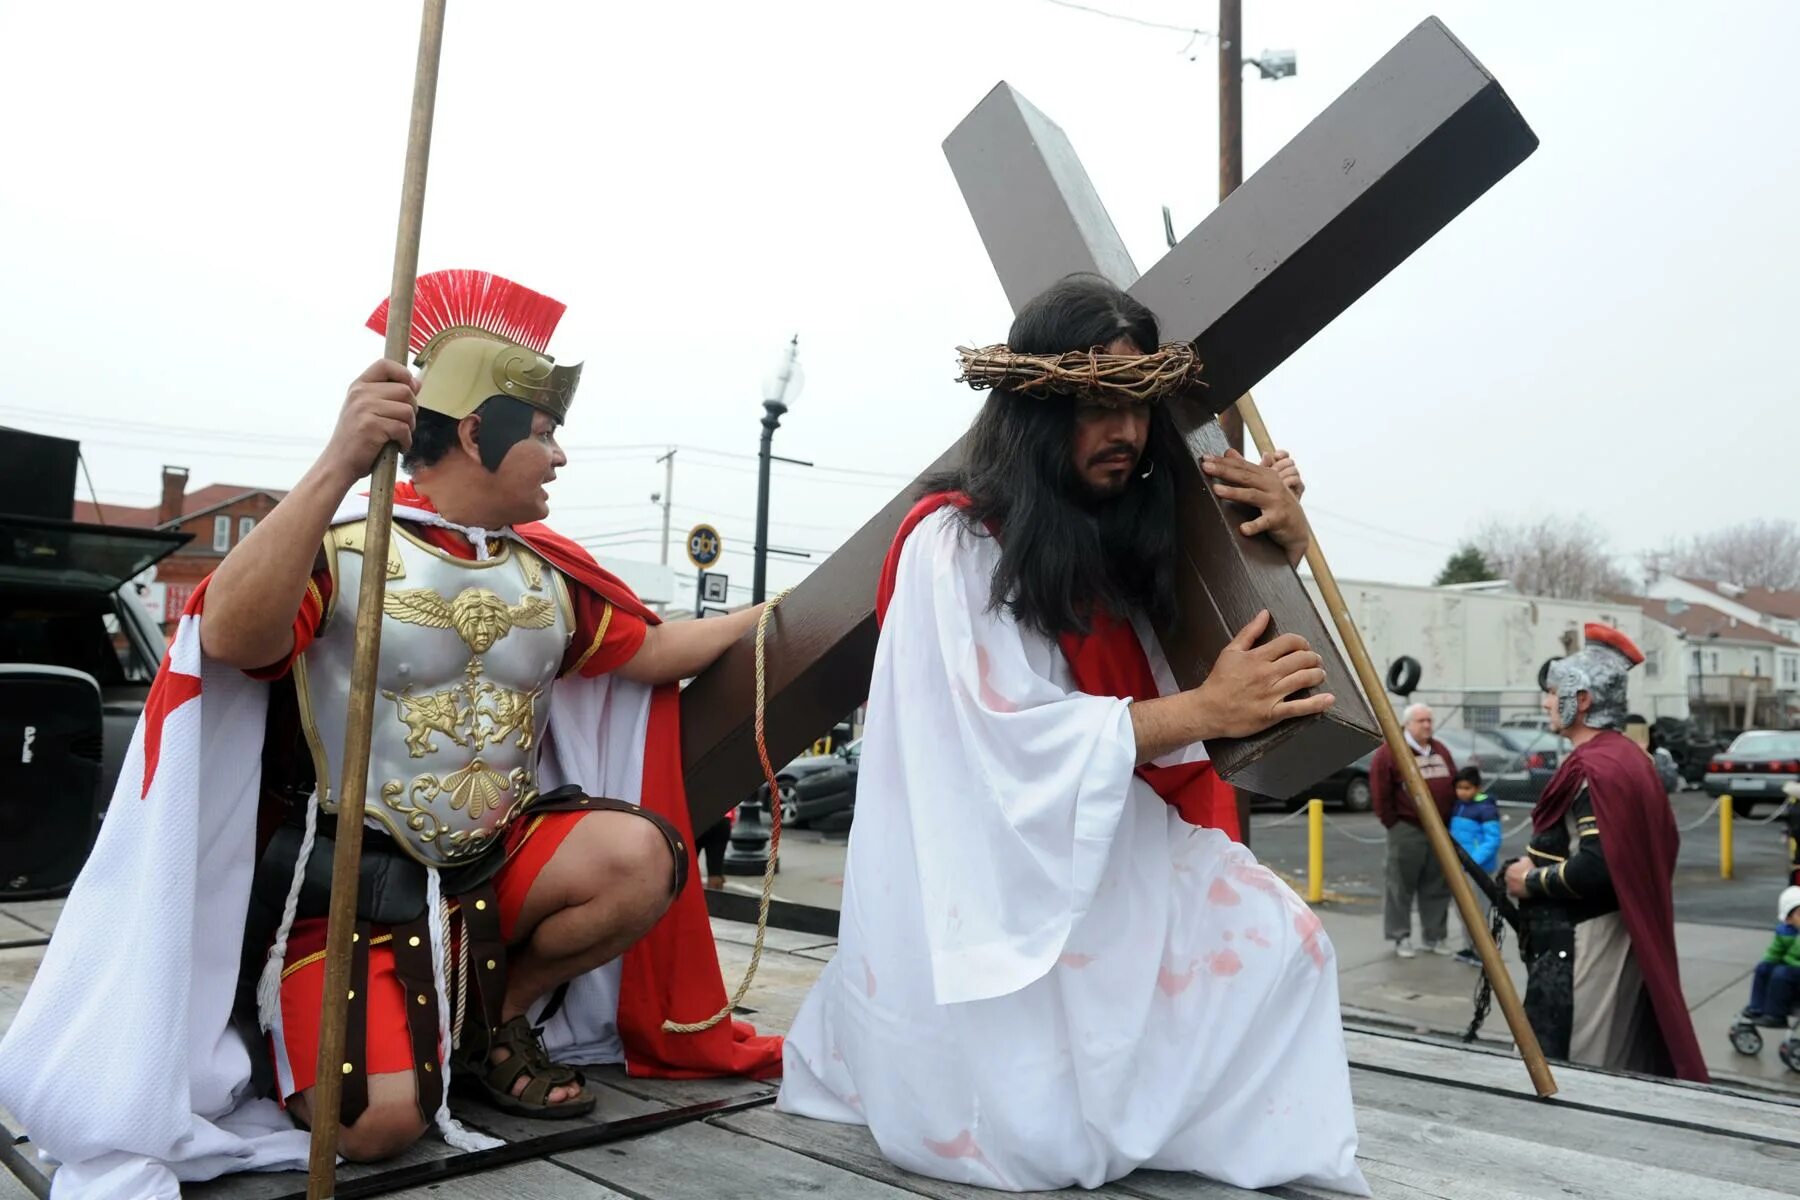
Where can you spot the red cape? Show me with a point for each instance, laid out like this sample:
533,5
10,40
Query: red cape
673,971
1633,814
1107,661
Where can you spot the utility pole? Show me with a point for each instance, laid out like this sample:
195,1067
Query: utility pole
668,498
1231,145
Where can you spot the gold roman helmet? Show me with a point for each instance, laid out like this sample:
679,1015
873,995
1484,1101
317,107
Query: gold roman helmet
476,335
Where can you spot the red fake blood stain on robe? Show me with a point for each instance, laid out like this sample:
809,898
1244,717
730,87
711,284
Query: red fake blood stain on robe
1309,927
990,699
1225,963
1171,984
1223,893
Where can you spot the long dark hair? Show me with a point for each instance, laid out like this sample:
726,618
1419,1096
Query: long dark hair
1065,555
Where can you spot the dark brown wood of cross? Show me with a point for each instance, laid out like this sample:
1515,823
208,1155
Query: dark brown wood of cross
1409,146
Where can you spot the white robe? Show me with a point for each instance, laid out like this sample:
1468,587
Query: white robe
123,1063
1044,977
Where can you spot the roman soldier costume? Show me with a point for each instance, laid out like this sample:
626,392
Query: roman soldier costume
499,724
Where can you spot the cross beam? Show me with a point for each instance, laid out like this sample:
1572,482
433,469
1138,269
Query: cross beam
1372,178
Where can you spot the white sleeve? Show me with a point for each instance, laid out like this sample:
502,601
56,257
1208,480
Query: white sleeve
1012,781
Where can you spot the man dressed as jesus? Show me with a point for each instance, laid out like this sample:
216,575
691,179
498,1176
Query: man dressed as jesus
1056,965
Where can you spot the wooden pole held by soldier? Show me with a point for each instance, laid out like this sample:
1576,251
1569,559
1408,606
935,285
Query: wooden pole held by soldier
1429,818
345,865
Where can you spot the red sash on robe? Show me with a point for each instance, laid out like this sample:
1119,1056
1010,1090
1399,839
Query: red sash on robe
1107,661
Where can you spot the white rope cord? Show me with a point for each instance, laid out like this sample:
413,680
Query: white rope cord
768,884
268,986
453,1131
1374,841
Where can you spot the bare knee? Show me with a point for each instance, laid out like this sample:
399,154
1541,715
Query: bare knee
636,861
382,1131
389,1124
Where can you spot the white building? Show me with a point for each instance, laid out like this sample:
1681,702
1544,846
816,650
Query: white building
1480,646
1725,670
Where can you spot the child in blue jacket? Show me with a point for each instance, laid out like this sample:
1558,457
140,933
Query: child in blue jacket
1475,824
1776,984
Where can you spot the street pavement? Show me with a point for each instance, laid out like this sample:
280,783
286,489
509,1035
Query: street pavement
1356,853
1722,926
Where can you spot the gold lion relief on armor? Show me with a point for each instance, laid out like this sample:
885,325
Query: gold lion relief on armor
475,716
479,616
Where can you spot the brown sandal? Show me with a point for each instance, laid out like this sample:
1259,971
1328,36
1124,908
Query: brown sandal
527,1056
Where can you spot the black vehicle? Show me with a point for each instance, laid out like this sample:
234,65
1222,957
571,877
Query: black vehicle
77,656
1515,762
1536,755
1753,768
817,789
1347,787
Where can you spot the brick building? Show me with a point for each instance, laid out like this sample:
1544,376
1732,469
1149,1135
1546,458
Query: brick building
218,516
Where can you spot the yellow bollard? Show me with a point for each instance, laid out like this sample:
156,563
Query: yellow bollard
1315,851
1725,815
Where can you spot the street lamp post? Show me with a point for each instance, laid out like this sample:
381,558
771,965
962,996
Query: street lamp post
781,385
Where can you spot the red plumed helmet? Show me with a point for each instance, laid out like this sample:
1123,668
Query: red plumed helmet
446,300
1606,635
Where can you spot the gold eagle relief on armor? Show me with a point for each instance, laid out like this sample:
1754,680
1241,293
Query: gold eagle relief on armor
474,715
479,616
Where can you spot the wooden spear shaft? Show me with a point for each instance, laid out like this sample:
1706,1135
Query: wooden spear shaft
1523,1035
328,1092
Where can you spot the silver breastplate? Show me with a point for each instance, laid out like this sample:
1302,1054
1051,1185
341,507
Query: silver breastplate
468,653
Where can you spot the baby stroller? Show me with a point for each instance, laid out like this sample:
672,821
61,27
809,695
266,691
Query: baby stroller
1747,1039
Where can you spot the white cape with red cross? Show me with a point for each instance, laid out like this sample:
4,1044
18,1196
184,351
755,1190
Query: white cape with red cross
123,1064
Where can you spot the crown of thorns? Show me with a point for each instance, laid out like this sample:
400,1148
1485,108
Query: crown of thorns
1111,379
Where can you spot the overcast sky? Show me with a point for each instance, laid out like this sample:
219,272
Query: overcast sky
198,202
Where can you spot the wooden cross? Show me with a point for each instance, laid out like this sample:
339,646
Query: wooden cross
1391,161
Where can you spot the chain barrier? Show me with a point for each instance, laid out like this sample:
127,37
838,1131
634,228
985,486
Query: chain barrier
1374,841
1287,820
1702,819
1781,810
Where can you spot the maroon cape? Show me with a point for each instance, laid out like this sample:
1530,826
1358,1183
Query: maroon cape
1633,814
1107,661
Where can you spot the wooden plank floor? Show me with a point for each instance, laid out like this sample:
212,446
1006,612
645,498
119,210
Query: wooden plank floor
1437,1122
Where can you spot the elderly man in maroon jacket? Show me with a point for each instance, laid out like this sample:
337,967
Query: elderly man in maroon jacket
1412,870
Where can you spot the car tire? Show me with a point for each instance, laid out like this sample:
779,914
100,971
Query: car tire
1357,795
1743,806
1403,675
790,804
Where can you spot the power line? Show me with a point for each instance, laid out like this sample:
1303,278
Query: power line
1131,20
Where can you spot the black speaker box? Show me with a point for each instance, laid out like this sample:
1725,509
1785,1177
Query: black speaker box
39,478
51,739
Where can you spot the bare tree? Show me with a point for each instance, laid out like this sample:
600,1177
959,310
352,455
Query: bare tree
1560,558
1759,553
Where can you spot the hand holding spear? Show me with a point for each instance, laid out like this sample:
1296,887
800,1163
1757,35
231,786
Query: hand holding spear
345,867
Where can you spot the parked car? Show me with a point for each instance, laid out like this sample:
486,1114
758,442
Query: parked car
1753,768
817,789
1347,787
72,632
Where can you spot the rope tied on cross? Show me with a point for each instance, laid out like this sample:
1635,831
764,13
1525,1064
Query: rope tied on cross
1110,379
